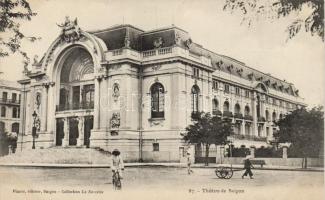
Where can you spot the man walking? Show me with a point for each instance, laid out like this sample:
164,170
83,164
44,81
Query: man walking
189,163
247,166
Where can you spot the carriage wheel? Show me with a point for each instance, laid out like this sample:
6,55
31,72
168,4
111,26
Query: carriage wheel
228,172
219,172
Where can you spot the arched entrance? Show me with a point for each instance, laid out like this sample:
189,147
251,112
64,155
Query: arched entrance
75,97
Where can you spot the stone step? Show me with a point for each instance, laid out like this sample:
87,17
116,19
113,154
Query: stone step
59,155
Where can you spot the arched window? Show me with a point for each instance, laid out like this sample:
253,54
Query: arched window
274,116
15,127
215,105
247,110
157,101
281,116
226,106
3,111
237,108
267,115
195,98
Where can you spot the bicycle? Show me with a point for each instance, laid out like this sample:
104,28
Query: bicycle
117,180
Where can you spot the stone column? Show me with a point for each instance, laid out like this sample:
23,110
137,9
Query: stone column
51,121
44,108
104,103
264,130
271,131
65,140
220,154
285,152
252,151
97,104
254,110
242,128
80,140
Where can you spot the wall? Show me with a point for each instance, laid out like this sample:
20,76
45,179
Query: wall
291,162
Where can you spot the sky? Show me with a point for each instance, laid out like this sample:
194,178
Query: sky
263,46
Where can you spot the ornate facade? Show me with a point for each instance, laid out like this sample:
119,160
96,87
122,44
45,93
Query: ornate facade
136,90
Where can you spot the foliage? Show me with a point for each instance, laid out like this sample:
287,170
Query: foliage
304,130
7,140
275,9
237,152
11,13
207,130
268,152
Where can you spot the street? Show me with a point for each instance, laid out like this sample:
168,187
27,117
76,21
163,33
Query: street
96,181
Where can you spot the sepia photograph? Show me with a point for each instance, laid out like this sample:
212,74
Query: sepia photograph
153,99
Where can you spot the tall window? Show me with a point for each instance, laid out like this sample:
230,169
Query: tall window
247,93
4,96
246,110
157,101
226,106
14,97
274,116
15,127
237,90
215,105
3,111
227,90
215,85
195,98
196,72
14,112
237,108
88,94
267,116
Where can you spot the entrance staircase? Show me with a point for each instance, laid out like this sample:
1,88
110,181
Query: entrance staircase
58,155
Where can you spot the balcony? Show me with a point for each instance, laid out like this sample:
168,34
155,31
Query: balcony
216,112
10,101
248,117
227,114
154,54
250,137
75,106
238,116
261,119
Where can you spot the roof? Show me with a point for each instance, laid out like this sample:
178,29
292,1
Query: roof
115,38
10,84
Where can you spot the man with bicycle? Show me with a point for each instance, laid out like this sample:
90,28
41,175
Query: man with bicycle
117,165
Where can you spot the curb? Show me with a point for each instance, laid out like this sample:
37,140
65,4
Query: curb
173,165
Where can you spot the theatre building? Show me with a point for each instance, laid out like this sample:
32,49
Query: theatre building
136,90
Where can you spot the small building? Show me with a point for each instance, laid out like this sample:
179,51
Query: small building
136,90
9,106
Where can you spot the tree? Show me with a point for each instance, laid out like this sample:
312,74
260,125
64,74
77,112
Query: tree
207,130
11,13
275,9
304,130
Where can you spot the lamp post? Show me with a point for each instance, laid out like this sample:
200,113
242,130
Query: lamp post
34,128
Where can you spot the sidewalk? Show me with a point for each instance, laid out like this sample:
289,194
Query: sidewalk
180,165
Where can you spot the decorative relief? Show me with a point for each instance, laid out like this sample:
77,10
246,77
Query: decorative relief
116,91
127,42
158,42
38,100
115,120
70,30
177,39
156,67
188,43
156,123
